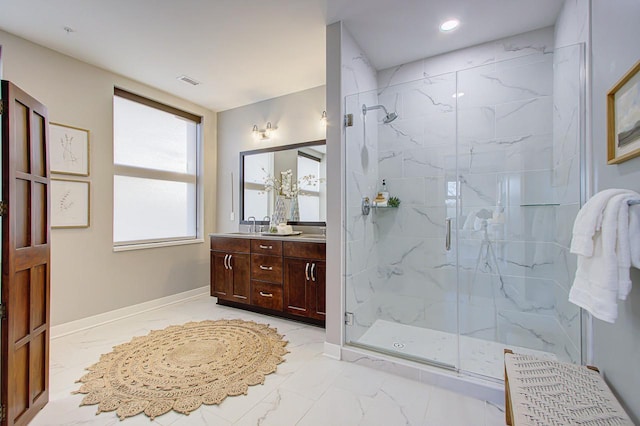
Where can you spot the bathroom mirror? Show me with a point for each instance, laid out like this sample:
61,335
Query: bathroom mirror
290,177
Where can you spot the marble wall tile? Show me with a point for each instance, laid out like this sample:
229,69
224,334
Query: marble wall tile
572,23
476,123
533,42
428,161
390,164
530,188
401,134
533,116
410,190
440,129
490,86
478,190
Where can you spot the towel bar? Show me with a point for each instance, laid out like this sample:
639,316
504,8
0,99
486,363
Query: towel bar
633,202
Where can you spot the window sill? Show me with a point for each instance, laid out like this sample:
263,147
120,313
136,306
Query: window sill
156,245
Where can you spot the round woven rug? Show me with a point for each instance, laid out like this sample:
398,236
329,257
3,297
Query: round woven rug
182,367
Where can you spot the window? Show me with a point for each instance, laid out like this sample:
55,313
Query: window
309,196
155,182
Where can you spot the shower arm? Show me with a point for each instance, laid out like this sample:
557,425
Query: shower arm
365,108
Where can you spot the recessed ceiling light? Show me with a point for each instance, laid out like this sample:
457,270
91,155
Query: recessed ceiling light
69,30
449,25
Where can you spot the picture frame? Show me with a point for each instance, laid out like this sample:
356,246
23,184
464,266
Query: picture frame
69,150
70,203
623,118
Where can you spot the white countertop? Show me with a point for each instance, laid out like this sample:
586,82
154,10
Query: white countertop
309,238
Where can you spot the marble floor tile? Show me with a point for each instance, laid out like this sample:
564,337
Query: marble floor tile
307,389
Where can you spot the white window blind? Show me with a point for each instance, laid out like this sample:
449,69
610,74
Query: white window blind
155,183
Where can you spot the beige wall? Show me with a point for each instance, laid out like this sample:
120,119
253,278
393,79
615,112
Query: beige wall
297,118
87,277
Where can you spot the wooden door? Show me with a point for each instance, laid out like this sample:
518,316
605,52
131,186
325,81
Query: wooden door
240,279
219,275
25,256
317,291
296,285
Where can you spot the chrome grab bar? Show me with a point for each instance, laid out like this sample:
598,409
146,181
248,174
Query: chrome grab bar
306,271
266,294
266,268
313,267
266,247
447,238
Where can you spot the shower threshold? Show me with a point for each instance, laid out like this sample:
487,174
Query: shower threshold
438,348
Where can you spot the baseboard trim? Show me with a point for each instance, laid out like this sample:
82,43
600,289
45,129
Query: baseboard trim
332,350
107,317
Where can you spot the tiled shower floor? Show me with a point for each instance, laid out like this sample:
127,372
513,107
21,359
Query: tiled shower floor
477,356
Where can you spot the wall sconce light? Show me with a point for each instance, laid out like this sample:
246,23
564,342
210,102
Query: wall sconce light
323,119
265,134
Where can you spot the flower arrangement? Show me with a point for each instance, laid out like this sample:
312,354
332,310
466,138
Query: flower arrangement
286,187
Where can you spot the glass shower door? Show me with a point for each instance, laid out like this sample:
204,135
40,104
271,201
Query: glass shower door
401,279
519,170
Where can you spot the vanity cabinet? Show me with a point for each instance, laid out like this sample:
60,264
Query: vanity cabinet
230,270
285,278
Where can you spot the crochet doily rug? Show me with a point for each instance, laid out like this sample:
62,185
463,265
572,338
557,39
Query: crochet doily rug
182,367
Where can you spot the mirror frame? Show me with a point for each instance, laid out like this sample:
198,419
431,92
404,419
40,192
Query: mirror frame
272,149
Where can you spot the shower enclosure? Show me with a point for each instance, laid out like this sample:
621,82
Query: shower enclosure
486,163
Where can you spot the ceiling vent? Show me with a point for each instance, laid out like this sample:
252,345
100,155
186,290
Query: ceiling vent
189,80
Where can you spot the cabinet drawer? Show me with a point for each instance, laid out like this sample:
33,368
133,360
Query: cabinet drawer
305,250
268,247
266,295
234,245
266,268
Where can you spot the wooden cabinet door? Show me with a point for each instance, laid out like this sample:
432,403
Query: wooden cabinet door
317,289
239,277
25,256
296,286
219,275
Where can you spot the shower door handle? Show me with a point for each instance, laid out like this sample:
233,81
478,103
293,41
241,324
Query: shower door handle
447,238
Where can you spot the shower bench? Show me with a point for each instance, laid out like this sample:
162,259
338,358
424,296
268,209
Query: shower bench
545,392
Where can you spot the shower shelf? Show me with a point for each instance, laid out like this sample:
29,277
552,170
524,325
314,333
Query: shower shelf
384,207
539,204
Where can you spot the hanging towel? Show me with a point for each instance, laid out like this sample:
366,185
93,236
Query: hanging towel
589,220
604,259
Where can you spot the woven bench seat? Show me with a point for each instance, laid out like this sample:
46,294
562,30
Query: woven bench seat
542,392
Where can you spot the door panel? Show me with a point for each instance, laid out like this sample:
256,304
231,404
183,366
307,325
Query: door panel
317,305
240,277
219,275
295,286
25,256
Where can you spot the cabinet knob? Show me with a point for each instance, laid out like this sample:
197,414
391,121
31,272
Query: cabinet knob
266,294
266,268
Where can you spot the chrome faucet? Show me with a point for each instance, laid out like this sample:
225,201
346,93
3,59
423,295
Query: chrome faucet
265,219
252,227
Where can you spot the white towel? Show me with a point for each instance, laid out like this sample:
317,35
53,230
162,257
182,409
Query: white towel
589,220
604,259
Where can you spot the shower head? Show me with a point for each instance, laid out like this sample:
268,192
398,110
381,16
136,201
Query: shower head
388,117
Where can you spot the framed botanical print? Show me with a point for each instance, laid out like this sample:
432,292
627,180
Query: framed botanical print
69,150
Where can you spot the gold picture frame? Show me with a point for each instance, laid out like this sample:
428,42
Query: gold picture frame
623,118
70,203
69,150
